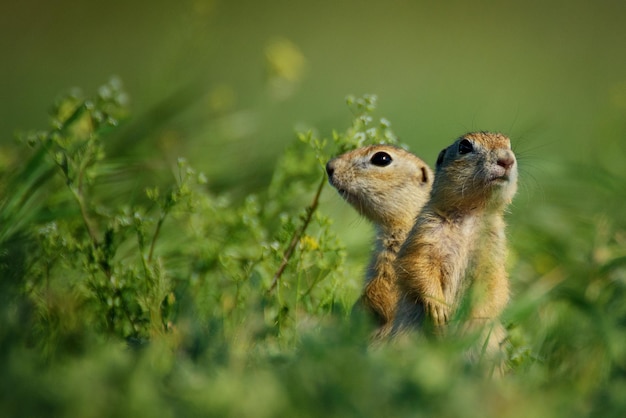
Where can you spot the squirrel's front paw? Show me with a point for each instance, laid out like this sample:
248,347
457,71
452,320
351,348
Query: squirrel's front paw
437,311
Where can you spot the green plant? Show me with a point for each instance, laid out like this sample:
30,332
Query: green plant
99,266
123,294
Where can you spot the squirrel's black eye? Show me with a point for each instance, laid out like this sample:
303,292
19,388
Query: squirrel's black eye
381,159
465,147
440,157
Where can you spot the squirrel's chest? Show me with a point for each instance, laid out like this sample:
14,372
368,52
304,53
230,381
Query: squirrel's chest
461,244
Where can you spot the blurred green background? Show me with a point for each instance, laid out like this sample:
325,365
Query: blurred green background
226,83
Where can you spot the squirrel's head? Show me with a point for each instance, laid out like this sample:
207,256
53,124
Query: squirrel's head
384,183
478,170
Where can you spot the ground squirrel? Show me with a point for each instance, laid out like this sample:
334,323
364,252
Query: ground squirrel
388,186
457,245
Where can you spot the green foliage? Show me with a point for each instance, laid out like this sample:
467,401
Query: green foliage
177,301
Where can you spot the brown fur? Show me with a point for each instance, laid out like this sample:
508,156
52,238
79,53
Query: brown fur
457,246
390,197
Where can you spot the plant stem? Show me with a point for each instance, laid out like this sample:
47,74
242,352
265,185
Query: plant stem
297,235
155,236
83,212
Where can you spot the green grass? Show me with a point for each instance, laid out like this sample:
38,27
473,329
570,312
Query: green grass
130,286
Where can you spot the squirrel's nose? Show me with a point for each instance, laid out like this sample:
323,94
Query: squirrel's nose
506,161
330,169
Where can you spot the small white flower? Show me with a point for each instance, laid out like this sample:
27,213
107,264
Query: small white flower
371,99
105,92
360,138
48,229
389,136
384,122
371,132
366,119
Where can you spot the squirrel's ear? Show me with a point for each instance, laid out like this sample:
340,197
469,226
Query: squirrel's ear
440,157
425,176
